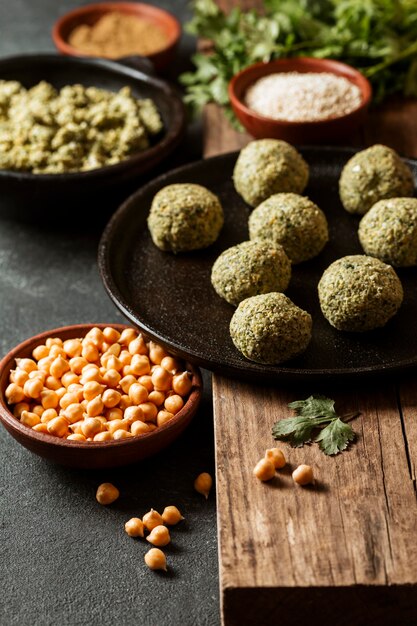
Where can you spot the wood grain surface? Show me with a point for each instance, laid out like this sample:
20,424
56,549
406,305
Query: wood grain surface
343,551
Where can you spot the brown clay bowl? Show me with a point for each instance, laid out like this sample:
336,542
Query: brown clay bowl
91,13
88,455
330,130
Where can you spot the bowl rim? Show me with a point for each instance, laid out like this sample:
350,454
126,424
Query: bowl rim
328,65
171,136
7,417
139,8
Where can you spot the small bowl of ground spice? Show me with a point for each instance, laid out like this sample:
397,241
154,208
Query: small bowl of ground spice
114,30
300,100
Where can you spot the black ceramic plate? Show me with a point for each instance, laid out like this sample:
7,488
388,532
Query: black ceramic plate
171,297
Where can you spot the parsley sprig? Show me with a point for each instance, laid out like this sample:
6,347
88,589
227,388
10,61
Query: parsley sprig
316,421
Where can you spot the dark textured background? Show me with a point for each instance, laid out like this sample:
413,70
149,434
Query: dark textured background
66,560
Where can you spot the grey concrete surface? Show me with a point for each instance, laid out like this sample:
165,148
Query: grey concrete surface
66,560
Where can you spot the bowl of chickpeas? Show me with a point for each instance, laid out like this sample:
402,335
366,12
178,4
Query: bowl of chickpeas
95,396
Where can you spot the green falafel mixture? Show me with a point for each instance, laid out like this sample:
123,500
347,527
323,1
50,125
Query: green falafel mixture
359,293
270,328
293,221
371,175
269,166
389,231
249,269
185,217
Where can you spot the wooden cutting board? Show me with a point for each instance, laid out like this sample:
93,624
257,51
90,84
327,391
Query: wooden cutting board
342,552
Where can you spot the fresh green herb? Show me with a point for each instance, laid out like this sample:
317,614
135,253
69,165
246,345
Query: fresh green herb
313,414
379,37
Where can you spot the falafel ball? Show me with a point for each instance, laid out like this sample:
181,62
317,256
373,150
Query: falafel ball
269,166
359,293
371,175
185,217
293,221
249,269
270,328
389,231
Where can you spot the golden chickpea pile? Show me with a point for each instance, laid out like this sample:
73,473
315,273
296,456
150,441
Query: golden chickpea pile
105,386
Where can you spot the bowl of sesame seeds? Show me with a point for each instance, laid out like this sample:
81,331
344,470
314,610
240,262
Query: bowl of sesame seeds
300,100
93,396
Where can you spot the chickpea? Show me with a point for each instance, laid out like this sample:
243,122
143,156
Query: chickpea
19,377
45,364
14,393
170,364
134,527
126,371
133,414
157,397
127,382
151,427
73,413
155,559
76,389
29,419
52,383
38,410
152,519
95,407
182,383
264,470
121,434
76,437
27,365
114,414
203,484
107,493
37,374
61,391
92,389
69,378
72,347
32,388
138,393
159,536
58,367
40,428
139,365
125,357
138,346
276,456
111,398
111,378
128,335
146,381
156,353
49,399
115,425
91,374
48,415
173,404
111,335
113,363
67,399
90,352
163,417
53,341
19,408
303,475
95,336
161,379
77,364
125,401
139,428
40,352
58,426
56,351
149,411
103,436
171,515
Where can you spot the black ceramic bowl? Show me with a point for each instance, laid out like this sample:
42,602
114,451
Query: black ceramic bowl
36,194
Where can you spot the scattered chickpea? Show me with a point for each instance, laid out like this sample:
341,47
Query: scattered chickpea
152,519
264,470
159,536
277,457
303,475
171,515
203,484
134,527
107,493
155,559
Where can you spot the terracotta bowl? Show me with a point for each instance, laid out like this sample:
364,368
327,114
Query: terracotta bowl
330,130
91,13
88,455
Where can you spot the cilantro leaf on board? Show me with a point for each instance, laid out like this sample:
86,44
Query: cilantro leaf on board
315,413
